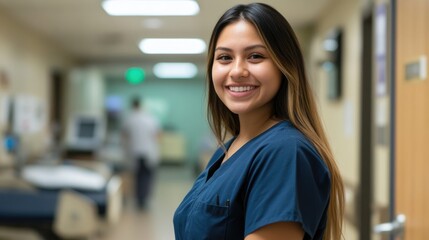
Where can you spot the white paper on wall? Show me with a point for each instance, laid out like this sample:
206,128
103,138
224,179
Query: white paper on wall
29,114
4,110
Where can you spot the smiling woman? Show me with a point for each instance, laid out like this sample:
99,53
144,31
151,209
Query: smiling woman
276,178
245,77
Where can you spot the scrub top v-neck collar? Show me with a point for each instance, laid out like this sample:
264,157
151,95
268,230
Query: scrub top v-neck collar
218,167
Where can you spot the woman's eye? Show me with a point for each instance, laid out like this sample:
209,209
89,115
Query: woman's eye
223,58
256,56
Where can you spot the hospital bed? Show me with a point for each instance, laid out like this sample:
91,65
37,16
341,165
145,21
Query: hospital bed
61,202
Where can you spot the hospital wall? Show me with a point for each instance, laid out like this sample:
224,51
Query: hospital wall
27,59
180,104
341,116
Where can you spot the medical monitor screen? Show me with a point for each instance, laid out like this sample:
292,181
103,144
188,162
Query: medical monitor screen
86,128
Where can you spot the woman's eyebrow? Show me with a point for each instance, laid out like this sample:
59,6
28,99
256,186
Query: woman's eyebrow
255,46
223,49
245,49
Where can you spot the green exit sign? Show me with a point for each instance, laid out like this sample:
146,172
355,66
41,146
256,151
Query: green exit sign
135,75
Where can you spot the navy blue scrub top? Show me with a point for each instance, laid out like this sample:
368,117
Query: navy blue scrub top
276,177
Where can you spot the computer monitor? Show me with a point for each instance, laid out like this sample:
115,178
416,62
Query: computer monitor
85,133
86,128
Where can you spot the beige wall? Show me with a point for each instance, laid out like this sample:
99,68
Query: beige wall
27,59
341,117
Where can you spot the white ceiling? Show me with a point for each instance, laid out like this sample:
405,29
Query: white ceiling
86,32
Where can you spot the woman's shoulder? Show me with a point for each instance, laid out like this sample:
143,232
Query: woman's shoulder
286,142
285,134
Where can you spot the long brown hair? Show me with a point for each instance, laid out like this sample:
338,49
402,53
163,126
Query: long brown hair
294,101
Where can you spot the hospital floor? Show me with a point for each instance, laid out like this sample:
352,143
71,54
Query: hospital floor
154,223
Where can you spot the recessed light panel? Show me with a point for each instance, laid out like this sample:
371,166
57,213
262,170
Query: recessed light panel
175,70
151,7
172,46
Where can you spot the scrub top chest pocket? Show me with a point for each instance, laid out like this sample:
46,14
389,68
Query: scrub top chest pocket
211,210
209,221
212,206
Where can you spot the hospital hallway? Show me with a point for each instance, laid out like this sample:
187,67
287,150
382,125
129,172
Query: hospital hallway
71,72
155,223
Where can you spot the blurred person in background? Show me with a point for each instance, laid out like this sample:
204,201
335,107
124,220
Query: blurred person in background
141,132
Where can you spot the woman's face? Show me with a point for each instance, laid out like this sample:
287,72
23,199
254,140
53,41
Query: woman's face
244,75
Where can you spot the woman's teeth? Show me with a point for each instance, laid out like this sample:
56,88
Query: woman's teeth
241,88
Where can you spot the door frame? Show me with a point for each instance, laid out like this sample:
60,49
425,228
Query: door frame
366,139
392,74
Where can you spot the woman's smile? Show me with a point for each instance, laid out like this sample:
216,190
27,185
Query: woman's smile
241,92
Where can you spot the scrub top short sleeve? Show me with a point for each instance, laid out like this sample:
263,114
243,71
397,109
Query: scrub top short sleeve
288,182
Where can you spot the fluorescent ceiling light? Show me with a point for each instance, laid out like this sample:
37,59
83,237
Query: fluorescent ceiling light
175,70
151,7
172,46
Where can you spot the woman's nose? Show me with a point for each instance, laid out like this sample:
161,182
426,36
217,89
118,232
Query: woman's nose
239,70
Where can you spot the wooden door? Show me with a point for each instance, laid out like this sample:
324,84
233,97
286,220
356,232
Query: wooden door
411,135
